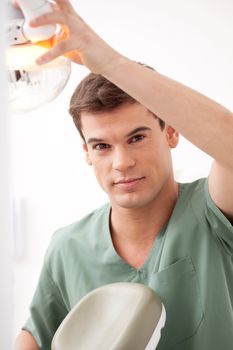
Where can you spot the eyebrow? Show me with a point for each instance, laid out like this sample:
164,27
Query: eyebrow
131,133
139,129
94,140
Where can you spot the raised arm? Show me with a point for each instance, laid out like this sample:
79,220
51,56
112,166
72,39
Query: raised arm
202,121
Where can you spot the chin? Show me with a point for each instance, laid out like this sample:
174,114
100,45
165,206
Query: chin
132,201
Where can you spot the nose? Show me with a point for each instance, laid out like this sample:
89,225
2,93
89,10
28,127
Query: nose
122,160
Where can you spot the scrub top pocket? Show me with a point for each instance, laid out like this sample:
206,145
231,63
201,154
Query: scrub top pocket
178,288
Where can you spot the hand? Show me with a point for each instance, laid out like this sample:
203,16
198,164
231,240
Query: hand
76,40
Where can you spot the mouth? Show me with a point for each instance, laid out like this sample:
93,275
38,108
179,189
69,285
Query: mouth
128,183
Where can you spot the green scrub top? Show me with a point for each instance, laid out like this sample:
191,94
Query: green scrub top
190,266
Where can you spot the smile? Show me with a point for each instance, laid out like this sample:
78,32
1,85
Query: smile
130,183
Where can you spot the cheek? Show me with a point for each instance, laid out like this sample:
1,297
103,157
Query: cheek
101,169
100,163
159,161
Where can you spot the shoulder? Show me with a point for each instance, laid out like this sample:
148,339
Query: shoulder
190,207
195,194
79,232
194,198
197,203
192,194
191,188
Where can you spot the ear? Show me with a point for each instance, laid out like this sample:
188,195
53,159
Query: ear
172,136
87,155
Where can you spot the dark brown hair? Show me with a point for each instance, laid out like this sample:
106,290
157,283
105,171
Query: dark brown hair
96,94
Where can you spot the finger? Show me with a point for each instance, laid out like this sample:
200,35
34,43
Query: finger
48,18
73,56
54,40
53,53
62,5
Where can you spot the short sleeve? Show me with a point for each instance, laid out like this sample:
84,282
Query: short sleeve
218,222
47,310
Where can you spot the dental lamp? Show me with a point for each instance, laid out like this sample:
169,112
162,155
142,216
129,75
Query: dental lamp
31,85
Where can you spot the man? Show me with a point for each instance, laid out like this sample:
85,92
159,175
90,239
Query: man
176,238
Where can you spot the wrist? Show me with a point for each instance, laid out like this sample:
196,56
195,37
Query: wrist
113,63
98,56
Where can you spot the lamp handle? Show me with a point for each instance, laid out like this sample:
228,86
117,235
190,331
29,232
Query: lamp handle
32,9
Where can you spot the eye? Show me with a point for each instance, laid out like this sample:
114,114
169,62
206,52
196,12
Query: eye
136,138
101,146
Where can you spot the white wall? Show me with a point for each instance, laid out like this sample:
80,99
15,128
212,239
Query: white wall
6,263
188,40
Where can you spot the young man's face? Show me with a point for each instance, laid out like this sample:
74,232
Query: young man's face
130,154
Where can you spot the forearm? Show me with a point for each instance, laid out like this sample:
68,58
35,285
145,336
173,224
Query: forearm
25,341
202,121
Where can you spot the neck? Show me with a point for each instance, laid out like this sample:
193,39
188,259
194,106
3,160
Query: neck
134,230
